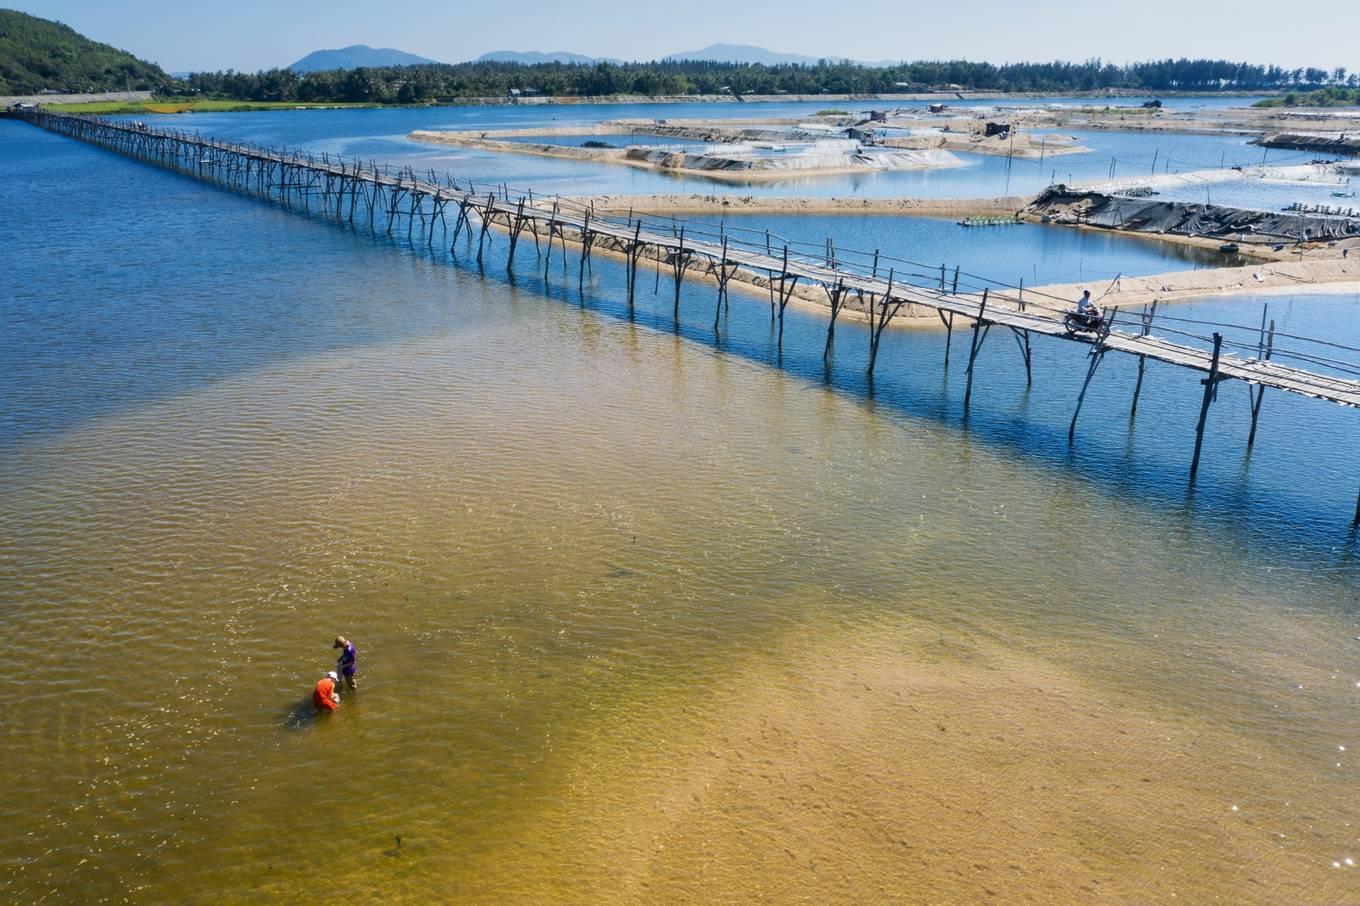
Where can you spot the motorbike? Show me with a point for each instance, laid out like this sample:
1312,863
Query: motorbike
1083,323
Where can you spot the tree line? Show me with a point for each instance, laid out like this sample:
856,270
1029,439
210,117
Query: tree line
429,83
1331,96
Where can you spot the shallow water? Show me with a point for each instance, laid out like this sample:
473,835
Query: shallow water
641,616
381,134
1009,254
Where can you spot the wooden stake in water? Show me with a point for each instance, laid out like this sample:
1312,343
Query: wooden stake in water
1210,383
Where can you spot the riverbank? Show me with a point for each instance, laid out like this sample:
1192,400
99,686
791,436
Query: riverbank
79,103
756,204
83,99
1335,275
122,107
742,163
1254,121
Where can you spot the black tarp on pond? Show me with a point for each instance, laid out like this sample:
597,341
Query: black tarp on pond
1059,204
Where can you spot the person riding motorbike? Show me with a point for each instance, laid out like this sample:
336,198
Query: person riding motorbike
1088,313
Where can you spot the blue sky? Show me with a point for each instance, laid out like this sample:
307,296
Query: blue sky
256,34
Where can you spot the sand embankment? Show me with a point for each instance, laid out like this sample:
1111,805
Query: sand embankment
733,166
480,142
756,204
98,97
1255,121
1331,174
1334,275
1025,145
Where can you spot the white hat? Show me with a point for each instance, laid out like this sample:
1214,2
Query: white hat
332,674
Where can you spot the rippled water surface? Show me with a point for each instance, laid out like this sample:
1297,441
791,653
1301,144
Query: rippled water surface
646,611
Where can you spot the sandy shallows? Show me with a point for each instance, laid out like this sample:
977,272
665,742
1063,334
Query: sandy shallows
753,204
929,770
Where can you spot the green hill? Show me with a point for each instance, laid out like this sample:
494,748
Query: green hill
36,54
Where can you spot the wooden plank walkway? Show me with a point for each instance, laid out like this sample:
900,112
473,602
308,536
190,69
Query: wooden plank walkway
1001,306
1002,309
341,188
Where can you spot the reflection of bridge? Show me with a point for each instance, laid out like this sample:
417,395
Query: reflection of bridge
876,285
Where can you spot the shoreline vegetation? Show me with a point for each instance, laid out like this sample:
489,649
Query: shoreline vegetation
199,105
1332,96
828,79
40,56
171,104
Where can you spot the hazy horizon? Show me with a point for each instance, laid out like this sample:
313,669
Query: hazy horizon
199,40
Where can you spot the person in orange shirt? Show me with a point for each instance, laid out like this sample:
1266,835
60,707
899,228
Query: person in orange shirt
324,697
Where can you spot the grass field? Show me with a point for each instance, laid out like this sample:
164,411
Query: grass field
196,106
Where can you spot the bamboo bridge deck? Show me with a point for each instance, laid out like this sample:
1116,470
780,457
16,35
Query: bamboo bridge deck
882,286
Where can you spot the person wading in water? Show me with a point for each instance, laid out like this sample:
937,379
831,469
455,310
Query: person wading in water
324,697
348,664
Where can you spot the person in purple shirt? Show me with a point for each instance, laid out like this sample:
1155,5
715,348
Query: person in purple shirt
348,664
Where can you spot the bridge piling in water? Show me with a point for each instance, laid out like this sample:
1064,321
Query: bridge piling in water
1210,392
981,327
1146,317
294,179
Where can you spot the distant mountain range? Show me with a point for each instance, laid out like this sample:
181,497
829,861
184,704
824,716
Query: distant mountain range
362,55
354,56
746,53
530,57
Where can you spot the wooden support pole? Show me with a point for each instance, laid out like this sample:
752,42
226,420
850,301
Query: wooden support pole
656,257
1022,340
486,225
1210,384
1147,317
837,295
1266,349
632,259
786,288
678,265
723,276
888,309
947,319
458,224
979,334
1096,354
547,259
587,239
514,237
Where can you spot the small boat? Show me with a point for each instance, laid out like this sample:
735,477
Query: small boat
1229,248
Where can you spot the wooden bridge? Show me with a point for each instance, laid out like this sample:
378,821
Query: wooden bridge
880,287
